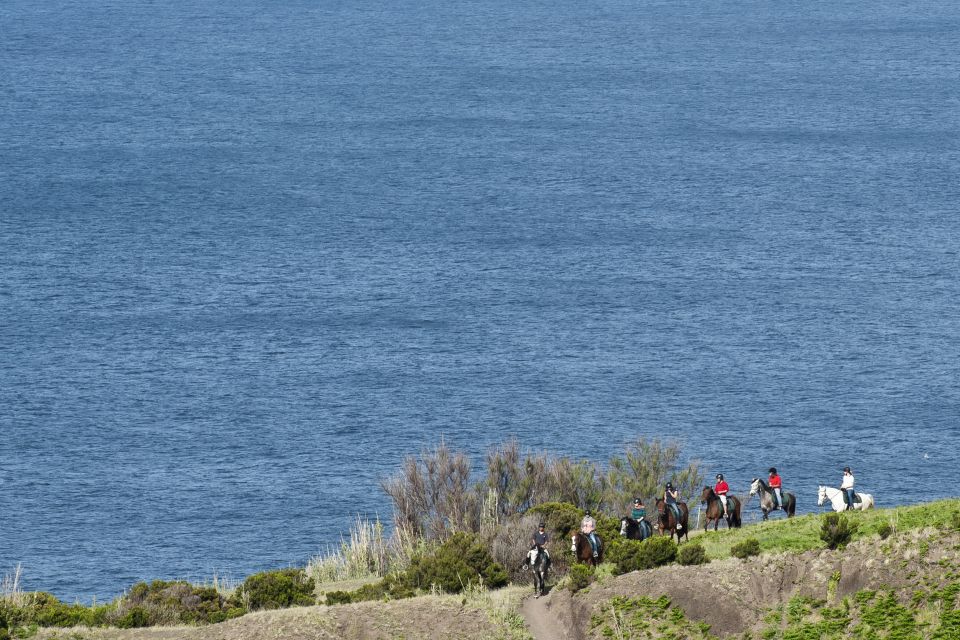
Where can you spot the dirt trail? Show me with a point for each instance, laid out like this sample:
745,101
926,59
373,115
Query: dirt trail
543,623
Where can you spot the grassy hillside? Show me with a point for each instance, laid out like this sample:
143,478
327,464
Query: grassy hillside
803,532
899,578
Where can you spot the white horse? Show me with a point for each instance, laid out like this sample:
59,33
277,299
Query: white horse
839,504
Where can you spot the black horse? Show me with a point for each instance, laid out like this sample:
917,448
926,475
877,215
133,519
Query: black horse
538,560
635,529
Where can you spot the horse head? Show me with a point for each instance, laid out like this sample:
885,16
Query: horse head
821,495
532,556
623,526
706,494
755,486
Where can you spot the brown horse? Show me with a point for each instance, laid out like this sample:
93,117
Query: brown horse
667,521
583,551
715,510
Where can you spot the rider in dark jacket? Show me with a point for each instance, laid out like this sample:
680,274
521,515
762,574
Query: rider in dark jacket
672,496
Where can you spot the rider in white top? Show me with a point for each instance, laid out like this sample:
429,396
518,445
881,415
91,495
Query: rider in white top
587,526
847,487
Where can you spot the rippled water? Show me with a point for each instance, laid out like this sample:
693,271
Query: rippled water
255,253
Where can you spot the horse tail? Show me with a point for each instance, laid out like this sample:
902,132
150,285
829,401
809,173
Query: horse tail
792,507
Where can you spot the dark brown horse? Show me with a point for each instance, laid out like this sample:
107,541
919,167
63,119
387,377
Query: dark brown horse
583,551
715,510
667,520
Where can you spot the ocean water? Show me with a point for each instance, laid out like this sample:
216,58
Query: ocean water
253,253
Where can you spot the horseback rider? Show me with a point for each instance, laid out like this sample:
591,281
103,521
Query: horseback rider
776,485
847,487
671,497
639,511
541,537
588,527
722,489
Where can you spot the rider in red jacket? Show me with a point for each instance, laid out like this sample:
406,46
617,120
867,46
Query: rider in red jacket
776,484
722,489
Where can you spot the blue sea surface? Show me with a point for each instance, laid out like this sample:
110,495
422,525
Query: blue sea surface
252,254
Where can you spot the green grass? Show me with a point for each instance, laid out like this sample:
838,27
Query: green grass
803,532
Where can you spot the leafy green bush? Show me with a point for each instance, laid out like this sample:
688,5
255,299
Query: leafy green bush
43,609
391,587
161,602
837,531
277,590
747,548
338,597
580,577
691,554
632,555
560,517
608,528
458,562
134,618
884,530
955,521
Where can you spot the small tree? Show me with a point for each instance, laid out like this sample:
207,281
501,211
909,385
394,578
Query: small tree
580,577
691,554
645,467
837,531
747,548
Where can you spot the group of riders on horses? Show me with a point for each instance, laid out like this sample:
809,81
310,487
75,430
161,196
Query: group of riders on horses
672,500
672,515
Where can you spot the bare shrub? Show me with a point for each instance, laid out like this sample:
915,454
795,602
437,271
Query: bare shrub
511,543
516,481
432,494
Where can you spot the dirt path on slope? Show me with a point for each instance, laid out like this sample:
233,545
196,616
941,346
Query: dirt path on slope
545,624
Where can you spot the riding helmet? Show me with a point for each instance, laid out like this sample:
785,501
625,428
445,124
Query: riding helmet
637,501
542,525
773,470
719,476
669,485
847,470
